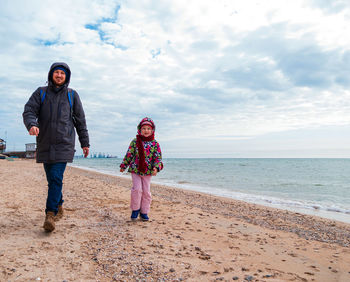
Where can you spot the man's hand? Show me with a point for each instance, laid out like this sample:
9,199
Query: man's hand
34,131
86,151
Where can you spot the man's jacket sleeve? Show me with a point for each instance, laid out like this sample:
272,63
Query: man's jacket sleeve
80,122
31,110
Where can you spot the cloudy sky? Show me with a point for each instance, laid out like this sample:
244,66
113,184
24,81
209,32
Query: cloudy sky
220,78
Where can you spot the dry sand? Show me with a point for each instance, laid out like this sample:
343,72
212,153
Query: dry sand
190,237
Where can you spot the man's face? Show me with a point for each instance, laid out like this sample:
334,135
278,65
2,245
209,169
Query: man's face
59,77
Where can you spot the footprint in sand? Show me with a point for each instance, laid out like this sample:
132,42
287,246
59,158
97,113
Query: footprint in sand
314,267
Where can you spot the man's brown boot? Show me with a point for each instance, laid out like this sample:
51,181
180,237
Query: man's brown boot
59,214
49,224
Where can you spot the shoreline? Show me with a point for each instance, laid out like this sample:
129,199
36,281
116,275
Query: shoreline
322,213
252,213
191,236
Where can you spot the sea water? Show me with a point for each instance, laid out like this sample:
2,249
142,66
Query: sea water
312,186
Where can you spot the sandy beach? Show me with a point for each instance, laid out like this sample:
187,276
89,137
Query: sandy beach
190,237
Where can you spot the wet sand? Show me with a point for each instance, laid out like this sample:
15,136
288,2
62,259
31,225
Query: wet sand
190,237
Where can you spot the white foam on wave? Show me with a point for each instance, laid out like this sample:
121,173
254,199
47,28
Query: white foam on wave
107,172
322,210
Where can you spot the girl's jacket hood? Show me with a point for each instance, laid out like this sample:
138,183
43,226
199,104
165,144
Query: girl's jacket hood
59,64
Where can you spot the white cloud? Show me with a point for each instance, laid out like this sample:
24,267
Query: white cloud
217,73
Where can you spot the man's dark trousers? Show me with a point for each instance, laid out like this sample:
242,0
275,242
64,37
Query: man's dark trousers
54,176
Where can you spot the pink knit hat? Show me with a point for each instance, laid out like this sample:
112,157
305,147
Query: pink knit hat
146,121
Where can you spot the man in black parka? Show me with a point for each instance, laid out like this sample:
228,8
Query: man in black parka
51,114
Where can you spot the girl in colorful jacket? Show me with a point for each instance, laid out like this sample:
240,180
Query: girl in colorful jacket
144,159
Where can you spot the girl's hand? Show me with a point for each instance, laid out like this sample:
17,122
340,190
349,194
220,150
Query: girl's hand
154,171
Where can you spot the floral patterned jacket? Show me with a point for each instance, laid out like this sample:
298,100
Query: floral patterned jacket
153,157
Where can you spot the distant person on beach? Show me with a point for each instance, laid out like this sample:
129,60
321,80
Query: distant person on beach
144,159
51,114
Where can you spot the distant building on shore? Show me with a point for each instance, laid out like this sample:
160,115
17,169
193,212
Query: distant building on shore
2,145
31,151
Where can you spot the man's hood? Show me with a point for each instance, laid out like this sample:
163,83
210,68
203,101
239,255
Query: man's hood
59,64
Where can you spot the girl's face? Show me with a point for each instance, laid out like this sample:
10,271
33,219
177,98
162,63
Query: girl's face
146,130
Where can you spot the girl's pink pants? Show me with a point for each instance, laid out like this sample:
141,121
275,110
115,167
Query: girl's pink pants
141,193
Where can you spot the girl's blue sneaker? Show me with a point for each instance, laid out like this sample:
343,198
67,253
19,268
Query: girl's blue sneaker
144,216
134,214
